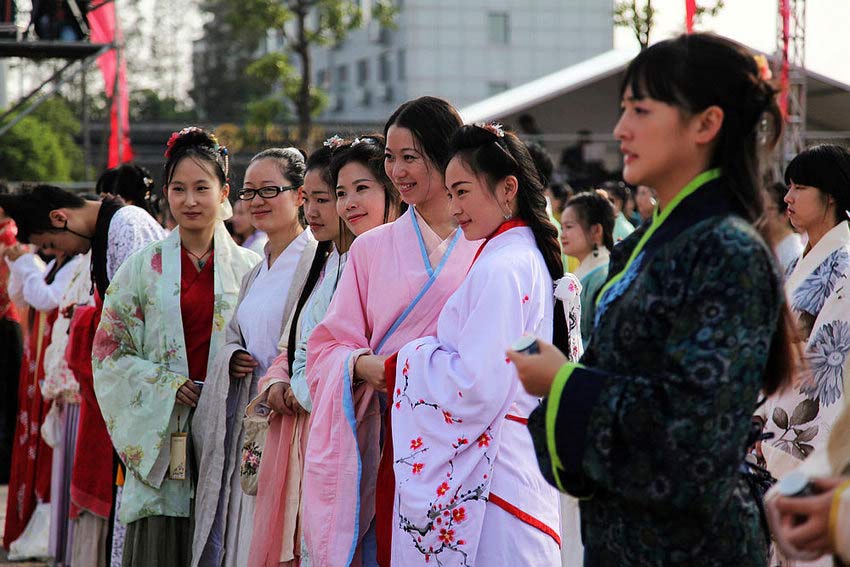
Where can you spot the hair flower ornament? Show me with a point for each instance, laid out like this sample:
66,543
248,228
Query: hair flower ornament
334,142
763,65
189,130
494,128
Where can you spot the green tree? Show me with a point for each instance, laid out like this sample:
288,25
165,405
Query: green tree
148,105
56,113
302,24
32,151
639,16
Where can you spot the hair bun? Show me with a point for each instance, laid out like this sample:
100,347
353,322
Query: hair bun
192,136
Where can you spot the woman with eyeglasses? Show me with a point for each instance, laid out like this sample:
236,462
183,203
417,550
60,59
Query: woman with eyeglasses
272,192
162,325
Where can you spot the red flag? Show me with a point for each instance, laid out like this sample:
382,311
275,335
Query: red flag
785,71
105,29
690,12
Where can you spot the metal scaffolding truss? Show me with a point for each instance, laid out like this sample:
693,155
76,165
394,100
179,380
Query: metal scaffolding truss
791,63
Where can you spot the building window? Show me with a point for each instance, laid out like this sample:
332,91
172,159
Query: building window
384,68
496,87
402,69
498,28
342,77
323,79
362,72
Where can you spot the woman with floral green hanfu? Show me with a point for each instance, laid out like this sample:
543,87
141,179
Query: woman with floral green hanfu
163,321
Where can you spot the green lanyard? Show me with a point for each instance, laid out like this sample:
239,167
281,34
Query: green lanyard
658,220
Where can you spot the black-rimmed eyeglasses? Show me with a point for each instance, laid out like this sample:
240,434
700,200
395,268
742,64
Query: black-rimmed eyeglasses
270,192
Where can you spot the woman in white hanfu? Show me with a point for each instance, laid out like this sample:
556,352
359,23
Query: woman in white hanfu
801,417
466,489
224,514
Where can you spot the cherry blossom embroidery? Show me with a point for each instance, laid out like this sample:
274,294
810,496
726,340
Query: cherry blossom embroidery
484,440
525,300
415,443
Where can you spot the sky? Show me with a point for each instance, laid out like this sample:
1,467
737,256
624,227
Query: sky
754,22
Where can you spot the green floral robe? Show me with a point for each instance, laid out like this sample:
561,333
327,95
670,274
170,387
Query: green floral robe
651,427
139,362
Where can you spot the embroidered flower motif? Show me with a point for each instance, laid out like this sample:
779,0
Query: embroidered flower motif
105,346
415,443
447,535
417,467
462,441
459,515
447,416
132,455
156,262
442,489
814,290
827,354
483,440
525,300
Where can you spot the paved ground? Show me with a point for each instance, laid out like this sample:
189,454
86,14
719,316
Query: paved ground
3,561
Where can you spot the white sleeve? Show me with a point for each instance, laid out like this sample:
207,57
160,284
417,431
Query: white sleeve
131,229
30,271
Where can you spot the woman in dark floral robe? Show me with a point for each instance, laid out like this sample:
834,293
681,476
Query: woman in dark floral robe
652,426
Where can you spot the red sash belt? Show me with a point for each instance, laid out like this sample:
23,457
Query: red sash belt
525,517
516,418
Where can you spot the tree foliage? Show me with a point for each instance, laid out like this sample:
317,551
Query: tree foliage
302,25
43,145
639,16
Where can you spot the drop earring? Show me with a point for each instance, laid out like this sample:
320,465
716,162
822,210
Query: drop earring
595,250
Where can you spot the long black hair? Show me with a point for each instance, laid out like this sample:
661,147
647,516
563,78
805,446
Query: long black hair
131,182
432,121
496,156
31,208
694,72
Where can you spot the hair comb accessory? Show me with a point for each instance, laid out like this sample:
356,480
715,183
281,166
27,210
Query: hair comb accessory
334,142
188,130
494,128
763,65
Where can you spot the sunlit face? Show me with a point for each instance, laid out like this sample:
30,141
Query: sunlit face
278,213
194,194
651,135
360,198
809,207
476,209
320,207
411,171
575,241
241,219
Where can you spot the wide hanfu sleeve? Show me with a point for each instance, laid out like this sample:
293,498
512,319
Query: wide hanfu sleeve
450,398
135,388
673,438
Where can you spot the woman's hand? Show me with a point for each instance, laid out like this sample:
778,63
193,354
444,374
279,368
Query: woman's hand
370,369
805,520
537,371
188,394
14,251
242,365
282,400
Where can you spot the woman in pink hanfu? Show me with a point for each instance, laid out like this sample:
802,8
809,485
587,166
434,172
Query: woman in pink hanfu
396,280
467,491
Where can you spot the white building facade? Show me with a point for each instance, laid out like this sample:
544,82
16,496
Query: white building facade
461,50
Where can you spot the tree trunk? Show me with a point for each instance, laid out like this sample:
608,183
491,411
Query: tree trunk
302,104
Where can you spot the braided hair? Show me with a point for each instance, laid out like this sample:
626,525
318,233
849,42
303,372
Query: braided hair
494,154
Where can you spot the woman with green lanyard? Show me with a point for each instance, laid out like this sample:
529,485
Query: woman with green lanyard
651,427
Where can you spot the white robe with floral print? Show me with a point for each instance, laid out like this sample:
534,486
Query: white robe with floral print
139,362
460,442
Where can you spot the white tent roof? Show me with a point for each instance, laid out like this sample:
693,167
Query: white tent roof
585,96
